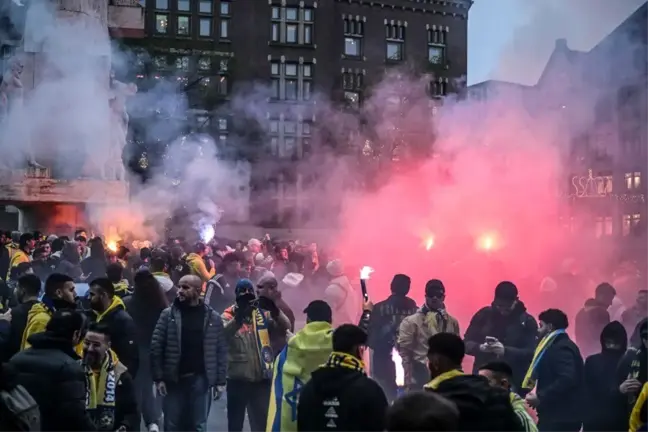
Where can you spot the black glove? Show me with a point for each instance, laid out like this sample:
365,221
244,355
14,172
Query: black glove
243,308
267,304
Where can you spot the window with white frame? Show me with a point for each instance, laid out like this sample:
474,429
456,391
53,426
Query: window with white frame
437,37
352,85
292,25
225,8
395,41
291,81
604,184
161,23
182,64
633,180
439,87
286,135
353,36
183,26
223,31
603,226
630,222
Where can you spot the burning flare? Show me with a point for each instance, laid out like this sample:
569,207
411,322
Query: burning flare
429,243
365,272
487,242
207,233
112,245
400,372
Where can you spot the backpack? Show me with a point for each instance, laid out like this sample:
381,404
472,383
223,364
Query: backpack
18,410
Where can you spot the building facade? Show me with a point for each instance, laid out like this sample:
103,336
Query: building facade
295,54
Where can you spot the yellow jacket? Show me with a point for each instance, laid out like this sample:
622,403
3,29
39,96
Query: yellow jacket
635,416
37,319
18,256
12,248
198,268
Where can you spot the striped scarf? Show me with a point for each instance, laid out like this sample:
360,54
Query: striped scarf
344,360
530,377
101,392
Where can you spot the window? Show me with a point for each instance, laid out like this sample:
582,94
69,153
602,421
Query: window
205,81
183,25
222,86
395,36
274,126
183,5
274,68
292,25
222,124
352,80
205,26
223,66
353,36
291,69
225,8
224,28
204,63
604,184
604,226
290,127
439,88
352,99
160,62
161,22
291,81
162,4
206,6
633,180
289,147
182,63
630,223
437,37
291,89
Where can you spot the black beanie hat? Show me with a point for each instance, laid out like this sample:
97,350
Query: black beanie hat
400,284
506,290
433,287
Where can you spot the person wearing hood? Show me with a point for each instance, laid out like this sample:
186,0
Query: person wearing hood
51,371
250,325
639,414
340,396
605,409
70,263
196,263
592,318
416,329
503,331
160,270
481,406
220,290
95,265
108,308
27,292
386,318
343,298
632,372
59,294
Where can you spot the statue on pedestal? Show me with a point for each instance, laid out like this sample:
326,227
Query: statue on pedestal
119,93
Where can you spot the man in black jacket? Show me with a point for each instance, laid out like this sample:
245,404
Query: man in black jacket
504,331
29,287
340,396
111,394
481,406
592,318
188,358
52,373
109,309
557,372
385,320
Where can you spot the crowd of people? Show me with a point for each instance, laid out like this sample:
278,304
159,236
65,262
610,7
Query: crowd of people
113,340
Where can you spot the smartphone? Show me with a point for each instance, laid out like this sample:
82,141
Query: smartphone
490,340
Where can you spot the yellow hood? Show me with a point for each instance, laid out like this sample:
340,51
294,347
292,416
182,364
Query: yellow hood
38,308
121,286
309,348
434,384
116,303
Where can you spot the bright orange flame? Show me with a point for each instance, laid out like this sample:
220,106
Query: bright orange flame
112,245
429,243
486,242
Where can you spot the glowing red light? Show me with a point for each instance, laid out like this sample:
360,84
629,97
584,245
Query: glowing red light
429,243
487,242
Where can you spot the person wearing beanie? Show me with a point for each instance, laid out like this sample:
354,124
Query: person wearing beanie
383,330
416,329
503,331
605,409
249,326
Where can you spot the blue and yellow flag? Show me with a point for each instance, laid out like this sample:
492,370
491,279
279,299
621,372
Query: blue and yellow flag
306,351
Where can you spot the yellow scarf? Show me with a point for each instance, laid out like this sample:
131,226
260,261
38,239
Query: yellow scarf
340,359
260,327
116,302
529,380
102,388
434,384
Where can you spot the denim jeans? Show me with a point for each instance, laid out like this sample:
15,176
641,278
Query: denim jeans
147,398
186,405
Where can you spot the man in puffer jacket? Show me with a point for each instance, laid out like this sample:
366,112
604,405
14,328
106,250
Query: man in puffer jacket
343,298
188,358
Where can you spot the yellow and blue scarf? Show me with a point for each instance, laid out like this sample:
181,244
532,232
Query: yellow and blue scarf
260,328
344,360
434,384
101,393
530,377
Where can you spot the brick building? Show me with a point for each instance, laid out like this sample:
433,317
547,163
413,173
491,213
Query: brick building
298,50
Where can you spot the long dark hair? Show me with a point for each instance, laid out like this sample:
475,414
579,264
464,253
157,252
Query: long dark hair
147,291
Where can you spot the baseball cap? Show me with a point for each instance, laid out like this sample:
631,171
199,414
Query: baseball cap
319,310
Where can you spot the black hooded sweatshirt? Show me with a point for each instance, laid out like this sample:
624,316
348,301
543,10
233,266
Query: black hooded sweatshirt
517,331
341,399
605,408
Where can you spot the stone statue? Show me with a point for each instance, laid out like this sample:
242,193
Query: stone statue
119,93
12,106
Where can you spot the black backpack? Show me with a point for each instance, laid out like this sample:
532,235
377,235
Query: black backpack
18,410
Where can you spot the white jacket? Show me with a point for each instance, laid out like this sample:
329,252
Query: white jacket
345,301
